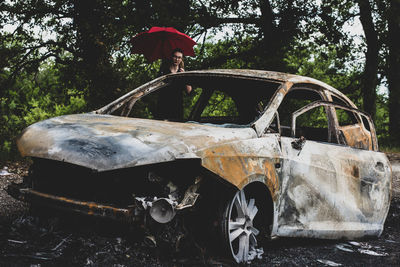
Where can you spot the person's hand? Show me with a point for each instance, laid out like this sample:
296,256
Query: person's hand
188,89
181,70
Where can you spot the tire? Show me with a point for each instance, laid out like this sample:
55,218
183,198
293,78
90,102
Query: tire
238,231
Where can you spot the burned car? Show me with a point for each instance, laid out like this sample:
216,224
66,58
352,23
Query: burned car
250,154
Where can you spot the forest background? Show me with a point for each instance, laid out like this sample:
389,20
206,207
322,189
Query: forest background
70,56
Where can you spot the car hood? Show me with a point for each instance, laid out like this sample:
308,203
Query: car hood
105,142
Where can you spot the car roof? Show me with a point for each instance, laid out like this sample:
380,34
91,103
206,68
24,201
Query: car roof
245,74
271,76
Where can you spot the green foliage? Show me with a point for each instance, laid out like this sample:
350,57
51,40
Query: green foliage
389,148
382,120
345,117
189,101
220,105
325,65
31,98
315,118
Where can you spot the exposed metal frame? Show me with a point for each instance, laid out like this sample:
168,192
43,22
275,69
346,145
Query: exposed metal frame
335,105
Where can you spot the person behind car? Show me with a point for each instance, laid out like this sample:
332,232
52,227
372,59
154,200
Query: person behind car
170,101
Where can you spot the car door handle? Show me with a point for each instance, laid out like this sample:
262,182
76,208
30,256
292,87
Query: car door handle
380,166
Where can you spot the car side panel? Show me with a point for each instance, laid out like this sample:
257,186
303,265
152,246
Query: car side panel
332,191
246,161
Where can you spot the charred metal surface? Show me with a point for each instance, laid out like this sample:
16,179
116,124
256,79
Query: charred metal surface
131,96
355,135
329,190
83,207
334,187
104,142
241,163
265,120
190,196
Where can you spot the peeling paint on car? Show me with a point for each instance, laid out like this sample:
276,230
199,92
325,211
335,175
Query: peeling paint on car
243,162
104,142
338,186
326,192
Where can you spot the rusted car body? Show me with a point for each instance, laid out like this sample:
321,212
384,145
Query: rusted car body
286,155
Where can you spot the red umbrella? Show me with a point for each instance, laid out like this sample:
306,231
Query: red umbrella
159,42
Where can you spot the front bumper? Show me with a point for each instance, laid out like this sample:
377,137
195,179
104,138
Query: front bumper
19,191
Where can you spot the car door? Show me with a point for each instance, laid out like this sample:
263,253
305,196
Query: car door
328,189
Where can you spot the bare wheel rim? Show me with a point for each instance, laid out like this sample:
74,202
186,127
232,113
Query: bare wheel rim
241,232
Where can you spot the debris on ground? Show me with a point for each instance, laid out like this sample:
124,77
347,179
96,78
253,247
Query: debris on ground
4,171
329,263
28,240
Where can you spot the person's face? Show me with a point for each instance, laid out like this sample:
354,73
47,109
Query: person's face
177,58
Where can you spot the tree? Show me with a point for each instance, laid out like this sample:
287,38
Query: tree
369,80
89,43
87,38
393,19
267,28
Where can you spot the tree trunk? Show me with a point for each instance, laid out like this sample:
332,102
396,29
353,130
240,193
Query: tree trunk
270,49
394,71
93,52
369,79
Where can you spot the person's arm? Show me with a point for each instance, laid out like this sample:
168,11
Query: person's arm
188,87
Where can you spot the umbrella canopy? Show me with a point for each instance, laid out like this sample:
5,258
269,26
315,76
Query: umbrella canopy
159,42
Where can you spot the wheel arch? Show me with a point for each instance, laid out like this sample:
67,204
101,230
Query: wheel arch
264,187
265,203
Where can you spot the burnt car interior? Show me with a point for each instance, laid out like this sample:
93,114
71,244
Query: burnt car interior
312,125
237,102
215,100
305,113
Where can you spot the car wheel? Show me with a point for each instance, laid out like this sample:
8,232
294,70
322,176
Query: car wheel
238,230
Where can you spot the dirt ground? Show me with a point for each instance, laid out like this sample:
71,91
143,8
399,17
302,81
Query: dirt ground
26,240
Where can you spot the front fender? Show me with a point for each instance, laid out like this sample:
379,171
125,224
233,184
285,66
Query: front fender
244,162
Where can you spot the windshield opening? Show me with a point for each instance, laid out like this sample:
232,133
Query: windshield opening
227,101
